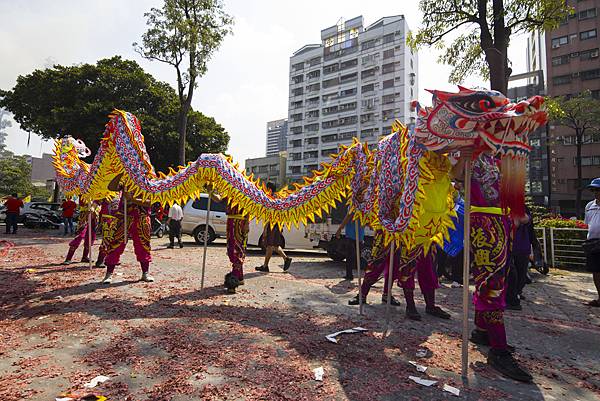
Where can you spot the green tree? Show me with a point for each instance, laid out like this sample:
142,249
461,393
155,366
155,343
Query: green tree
582,115
480,31
15,175
76,100
185,35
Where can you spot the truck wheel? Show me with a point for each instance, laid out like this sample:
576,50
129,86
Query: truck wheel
199,234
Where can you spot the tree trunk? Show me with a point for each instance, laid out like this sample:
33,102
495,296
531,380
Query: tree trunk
496,65
578,138
182,128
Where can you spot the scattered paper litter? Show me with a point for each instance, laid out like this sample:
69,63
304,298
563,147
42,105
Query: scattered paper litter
319,372
119,273
64,399
451,390
420,368
333,339
95,381
423,382
42,317
421,353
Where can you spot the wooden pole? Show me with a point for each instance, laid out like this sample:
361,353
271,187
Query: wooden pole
466,266
89,233
389,287
360,294
125,227
205,239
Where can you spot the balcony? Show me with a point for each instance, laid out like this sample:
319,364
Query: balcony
313,79
311,105
312,118
312,146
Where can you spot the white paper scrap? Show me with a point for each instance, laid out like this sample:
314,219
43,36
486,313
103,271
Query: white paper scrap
319,372
420,368
422,382
64,399
451,390
421,353
332,337
95,381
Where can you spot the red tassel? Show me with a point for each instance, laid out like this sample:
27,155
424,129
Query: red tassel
512,185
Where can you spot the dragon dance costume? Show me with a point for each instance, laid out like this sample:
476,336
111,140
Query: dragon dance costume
138,221
82,233
237,236
108,222
490,244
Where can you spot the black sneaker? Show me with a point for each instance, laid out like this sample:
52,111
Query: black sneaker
170,246
356,300
262,268
286,264
437,312
393,301
180,245
514,307
503,362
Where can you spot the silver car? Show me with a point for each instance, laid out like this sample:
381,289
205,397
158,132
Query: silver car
194,219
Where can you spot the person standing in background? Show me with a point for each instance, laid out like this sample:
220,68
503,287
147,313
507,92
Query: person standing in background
68,207
174,222
13,209
349,226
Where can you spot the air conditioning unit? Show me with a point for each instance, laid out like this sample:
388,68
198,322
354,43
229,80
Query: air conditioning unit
555,45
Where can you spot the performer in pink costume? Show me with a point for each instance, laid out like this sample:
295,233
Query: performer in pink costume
108,222
237,236
138,229
82,233
490,247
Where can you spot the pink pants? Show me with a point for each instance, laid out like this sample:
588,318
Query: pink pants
82,235
138,221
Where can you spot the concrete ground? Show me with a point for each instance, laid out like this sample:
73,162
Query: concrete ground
170,340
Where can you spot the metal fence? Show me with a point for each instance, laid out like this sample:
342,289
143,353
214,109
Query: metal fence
562,247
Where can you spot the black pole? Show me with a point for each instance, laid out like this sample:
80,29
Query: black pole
549,162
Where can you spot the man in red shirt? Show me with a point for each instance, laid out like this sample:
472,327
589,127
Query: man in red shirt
13,205
68,208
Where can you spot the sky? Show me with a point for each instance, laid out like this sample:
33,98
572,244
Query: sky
247,80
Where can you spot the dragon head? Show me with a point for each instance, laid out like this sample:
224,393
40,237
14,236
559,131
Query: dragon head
483,119
67,160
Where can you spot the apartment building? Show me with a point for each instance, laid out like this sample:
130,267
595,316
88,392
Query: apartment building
276,137
268,169
354,83
573,65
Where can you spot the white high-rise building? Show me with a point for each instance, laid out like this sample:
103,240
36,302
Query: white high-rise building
352,84
276,137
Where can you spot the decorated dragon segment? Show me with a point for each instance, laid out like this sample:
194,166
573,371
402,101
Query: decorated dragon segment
402,187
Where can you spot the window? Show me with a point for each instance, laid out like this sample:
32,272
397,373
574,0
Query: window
313,87
311,127
313,74
590,74
367,88
329,124
588,54
587,14
330,110
296,169
535,186
331,82
202,204
387,114
331,68
298,92
296,117
296,143
370,59
297,79
561,80
534,142
312,114
387,68
368,103
328,152
347,135
388,98
587,34
348,92
329,138
314,61
368,44
311,167
329,96
297,104
296,156
365,118
388,54
311,155
297,66
349,64
348,106
348,120
561,41
274,168
348,77
296,130
370,132
588,161
559,60
311,141
368,73
388,84
388,38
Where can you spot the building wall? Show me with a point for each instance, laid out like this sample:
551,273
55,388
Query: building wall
268,169
573,65
276,137
352,84
42,169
